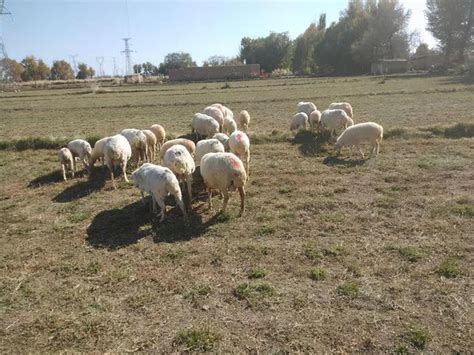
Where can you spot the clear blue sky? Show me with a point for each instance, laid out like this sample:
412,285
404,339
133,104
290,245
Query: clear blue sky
55,29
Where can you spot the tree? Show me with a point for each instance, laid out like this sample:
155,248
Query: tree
304,48
43,70
149,69
215,61
386,35
451,23
61,70
423,49
14,68
84,72
176,60
270,52
137,68
30,68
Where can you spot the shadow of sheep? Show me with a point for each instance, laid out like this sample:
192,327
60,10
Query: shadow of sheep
83,188
311,144
336,161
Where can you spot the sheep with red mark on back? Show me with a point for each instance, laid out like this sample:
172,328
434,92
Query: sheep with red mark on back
239,144
224,172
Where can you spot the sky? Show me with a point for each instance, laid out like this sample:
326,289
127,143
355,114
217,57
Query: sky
57,29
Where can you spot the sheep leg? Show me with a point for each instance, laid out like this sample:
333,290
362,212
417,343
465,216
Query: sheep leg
154,204
247,162
74,164
190,193
360,151
226,199
180,203
112,177
123,165
351,151
242,200
162,205
377,148
63,167
209,198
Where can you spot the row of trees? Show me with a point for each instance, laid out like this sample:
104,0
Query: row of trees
30,69
365,32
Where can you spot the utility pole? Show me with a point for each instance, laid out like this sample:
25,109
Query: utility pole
128,57
100,61
5,74
74,64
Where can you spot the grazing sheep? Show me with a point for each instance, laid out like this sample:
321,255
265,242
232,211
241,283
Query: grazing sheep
244,121
150,143
215,113
306,107
224,172
204,125
363,132
67,162
315,120
138,143
160,135
229,125
299,121
117,151
239,144
181,163
98,151
335,120
189,144
205,146
82,150
342,106
224,139
159,182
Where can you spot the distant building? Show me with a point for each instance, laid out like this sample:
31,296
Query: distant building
389,66
425,62
225,72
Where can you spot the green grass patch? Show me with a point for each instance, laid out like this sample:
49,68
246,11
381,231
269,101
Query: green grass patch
349,289
449,269
412,254
254,293
196,292
311,252
197,339
317,274
174,254
417,336
256,273
266,229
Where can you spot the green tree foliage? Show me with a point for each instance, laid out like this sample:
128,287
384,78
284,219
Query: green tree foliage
30,69
137,68
176,60
219,60
84,71
61,70
271,52
304,48
451,23
43,70
423,49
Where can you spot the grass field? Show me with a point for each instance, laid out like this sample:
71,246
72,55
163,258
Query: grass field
332,255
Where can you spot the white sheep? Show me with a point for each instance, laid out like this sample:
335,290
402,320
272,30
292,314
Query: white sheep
299,121
244,121
81,150
189,144
315,120
159,182
98,151
224,139
205,146
67,162
181,163
229,125
306,107
117,151
334,121
363,132
342,106
151,143
204,125
239,144
217,114
224,172
160,135
138,143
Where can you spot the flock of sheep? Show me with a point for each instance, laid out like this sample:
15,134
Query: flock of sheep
222,151
338,117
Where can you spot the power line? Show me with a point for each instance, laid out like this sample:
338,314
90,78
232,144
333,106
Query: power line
74,64
5,74
128,57
100,61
